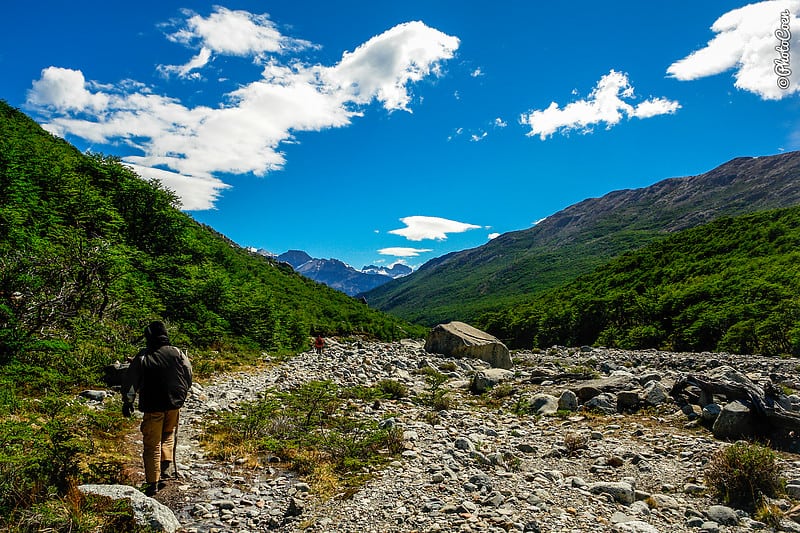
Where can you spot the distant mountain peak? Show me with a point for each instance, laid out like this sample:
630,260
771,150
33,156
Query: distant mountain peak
339,275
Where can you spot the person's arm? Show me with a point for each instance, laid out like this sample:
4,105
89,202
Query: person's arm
131,384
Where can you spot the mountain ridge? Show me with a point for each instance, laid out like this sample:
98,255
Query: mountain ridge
577,239
338,275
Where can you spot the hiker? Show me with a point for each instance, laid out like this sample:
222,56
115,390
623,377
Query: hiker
319,344
162,375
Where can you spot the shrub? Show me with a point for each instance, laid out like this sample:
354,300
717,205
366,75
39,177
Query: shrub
574,441
393,389
743,473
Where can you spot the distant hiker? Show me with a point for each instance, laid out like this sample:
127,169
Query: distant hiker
319,344
162,375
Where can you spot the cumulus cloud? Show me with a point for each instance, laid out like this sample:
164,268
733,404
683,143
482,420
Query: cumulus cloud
752,41
493,236
383,67
227,32
244,132
403,252
421,227
65,90
607,103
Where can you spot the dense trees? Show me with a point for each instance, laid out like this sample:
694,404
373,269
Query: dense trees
730,285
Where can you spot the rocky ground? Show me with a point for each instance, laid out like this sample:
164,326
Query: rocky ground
481,466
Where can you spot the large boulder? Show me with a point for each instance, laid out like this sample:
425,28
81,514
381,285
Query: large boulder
147,512
457,339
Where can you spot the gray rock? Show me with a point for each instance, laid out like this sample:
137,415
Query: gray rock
723,515
94,395
463,443
734,422
621,491
636,526
484,380
663,501
618,381
646,378
793,490
605,402
543,404
147,512
655,393
627,401
457,339
568,401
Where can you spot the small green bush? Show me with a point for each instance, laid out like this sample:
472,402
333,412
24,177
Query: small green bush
393,389
743,473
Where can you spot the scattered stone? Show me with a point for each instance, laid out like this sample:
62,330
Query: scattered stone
479,467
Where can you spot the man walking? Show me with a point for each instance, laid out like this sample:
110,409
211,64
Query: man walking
162,375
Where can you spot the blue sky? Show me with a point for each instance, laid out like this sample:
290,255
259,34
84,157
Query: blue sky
376,132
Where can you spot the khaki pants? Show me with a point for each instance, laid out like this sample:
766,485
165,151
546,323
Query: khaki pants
158,441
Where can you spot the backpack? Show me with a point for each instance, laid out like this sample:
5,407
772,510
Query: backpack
181,382
166,379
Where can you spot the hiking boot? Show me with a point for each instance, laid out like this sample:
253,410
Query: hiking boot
150,489
165,470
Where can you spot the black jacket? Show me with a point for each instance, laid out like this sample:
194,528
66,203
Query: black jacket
161,375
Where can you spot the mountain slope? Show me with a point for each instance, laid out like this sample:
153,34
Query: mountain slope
512,267
730,285
87,248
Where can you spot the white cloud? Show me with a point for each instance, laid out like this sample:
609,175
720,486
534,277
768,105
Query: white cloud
244,132
746,41
65,90
403,252
421,227
477,137
493,236
500,123
382,67
196,193
234,33
605,104
477,73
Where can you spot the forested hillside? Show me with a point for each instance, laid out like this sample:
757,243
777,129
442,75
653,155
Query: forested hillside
730,285
515,266
89,253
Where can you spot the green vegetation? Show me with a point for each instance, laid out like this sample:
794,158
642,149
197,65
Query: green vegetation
743,473
731,285
89,253
311,430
